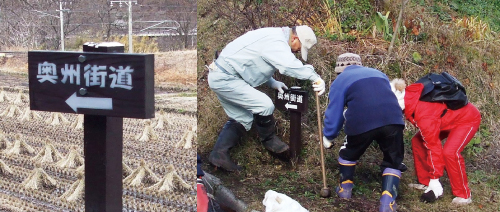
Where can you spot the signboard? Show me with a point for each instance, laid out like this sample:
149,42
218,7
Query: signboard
295,101
292,100
108,84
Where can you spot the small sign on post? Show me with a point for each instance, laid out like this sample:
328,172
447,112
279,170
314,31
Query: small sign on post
109,84
105,85
295,101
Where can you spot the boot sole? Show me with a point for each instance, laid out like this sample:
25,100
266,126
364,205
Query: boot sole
279,152
389,208
283,156
218,165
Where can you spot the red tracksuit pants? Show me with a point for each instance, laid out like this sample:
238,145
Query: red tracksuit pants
454,164
202,198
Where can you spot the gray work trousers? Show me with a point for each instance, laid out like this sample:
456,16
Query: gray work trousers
239,100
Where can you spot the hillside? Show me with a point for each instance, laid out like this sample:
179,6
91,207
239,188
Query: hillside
456,36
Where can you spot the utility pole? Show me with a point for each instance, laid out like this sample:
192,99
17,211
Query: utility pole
129,3
61,19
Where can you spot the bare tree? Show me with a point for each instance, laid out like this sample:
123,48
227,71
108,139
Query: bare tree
35,24
185,14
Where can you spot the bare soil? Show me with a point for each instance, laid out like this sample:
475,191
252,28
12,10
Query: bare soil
290,179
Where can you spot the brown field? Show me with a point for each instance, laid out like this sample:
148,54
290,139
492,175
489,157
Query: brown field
176,69
41,153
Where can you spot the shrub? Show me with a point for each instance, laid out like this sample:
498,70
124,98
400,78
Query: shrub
355,15
141,44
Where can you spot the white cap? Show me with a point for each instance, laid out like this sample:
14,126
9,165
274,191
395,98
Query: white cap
307,39
345,60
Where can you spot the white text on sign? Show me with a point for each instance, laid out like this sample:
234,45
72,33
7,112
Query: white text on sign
290,97
94,75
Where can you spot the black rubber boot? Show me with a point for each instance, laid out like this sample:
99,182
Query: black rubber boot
346,169
390,184
229,136
267,134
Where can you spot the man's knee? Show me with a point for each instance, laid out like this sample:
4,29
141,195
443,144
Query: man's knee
247,125
267,108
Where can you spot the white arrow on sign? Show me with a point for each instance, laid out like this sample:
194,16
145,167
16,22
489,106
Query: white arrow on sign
76,102
288,106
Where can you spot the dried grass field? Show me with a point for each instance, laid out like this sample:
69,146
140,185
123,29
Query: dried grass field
41,153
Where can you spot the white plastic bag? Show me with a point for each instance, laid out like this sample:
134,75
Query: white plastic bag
277,202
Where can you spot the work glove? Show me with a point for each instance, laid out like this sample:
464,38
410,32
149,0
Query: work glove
433,191
319,86
278,86
398,87
435,186
327,143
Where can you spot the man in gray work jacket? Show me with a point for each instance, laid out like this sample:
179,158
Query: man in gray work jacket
250,61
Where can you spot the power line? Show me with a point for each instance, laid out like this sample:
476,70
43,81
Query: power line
87,24
93,11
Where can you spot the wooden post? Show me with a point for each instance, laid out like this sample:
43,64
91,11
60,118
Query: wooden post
295,134
103,145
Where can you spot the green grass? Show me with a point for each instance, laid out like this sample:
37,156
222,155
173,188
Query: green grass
355,14
488,10
187,95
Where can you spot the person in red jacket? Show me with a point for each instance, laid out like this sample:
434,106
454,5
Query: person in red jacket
435,122
201,193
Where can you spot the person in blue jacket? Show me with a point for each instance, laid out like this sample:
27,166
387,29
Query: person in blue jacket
250,61
372,114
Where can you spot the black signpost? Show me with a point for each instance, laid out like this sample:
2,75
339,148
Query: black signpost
105,85
295,101
108,84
